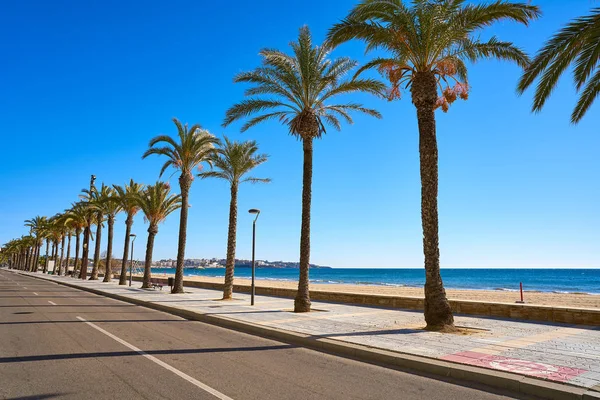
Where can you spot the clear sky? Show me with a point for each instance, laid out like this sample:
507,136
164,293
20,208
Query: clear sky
84,85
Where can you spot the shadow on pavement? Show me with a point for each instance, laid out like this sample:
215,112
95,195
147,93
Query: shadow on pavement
50,357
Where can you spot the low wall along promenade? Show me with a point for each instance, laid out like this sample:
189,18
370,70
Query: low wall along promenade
578,316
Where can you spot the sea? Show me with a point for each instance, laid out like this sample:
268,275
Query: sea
557,280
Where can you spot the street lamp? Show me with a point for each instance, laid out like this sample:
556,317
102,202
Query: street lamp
133,235
257,212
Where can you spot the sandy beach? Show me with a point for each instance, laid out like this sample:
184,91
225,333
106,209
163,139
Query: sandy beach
539,298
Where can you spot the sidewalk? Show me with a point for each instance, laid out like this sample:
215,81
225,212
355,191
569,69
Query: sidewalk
555,353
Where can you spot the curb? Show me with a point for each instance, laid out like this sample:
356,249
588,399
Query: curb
515,383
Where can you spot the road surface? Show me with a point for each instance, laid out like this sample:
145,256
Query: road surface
59,342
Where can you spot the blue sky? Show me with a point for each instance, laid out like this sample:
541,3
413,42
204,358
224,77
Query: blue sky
85,85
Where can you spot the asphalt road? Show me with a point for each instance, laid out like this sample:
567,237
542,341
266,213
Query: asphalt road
59,342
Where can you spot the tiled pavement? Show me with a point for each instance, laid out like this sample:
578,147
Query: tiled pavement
556,352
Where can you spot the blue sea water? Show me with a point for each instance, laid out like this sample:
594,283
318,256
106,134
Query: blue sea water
544,280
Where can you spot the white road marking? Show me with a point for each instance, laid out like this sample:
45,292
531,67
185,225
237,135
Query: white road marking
51,302
35,293
166,366
24,287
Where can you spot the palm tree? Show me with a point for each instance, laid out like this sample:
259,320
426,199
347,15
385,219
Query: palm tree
69,232
301,89
111,206
55,235
77,215
156,203
96,201
428,46
232,162
36,224
194,147
127,197
576,43
87,228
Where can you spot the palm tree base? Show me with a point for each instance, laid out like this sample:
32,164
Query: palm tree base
450,328
177,290
301,305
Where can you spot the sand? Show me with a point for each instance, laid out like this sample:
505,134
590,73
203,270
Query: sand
539,298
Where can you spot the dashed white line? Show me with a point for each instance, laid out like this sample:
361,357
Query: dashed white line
51,302
166,366
35,293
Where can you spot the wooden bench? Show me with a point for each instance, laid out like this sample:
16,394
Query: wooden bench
155,283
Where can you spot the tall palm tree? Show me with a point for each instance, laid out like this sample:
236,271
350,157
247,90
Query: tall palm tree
77,215
97,199
576,44
69,232
111,206
232,161
36,224
127,197
156,202
192,146
428,45
55,231
301,88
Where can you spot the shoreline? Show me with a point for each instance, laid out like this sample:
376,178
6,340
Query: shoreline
580,300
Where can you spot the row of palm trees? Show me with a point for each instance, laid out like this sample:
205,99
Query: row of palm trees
231,161
425,48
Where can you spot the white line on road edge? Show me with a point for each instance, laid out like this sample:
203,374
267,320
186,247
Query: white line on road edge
177,372
51,302
35,293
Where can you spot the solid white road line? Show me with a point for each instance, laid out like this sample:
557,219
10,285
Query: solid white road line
166,366
51,302
35,293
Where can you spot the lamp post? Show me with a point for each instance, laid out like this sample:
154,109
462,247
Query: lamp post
133,235
257,212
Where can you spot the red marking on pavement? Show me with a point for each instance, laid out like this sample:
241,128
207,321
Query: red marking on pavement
537,369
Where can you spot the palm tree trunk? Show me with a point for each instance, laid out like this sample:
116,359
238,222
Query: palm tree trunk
45,270
438,314
152,231
123,277
86,251
37,258
55,256
68,254
77,242
62,253
97,249
108,269
302,300
185,181
27,258
231,239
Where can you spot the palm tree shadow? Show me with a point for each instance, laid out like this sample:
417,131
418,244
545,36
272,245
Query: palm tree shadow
38,396
48,357
404,331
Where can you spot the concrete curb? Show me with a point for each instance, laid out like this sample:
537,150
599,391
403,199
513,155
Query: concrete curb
496,379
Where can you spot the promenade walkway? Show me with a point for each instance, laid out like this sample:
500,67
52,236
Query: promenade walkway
560,353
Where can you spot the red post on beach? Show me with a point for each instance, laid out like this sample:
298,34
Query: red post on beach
521,284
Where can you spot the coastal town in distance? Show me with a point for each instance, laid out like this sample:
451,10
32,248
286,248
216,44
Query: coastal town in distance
204,263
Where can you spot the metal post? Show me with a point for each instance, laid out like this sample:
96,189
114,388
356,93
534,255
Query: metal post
257,212
253,250
131,258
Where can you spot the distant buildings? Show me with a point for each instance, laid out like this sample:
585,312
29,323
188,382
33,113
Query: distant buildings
220,263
